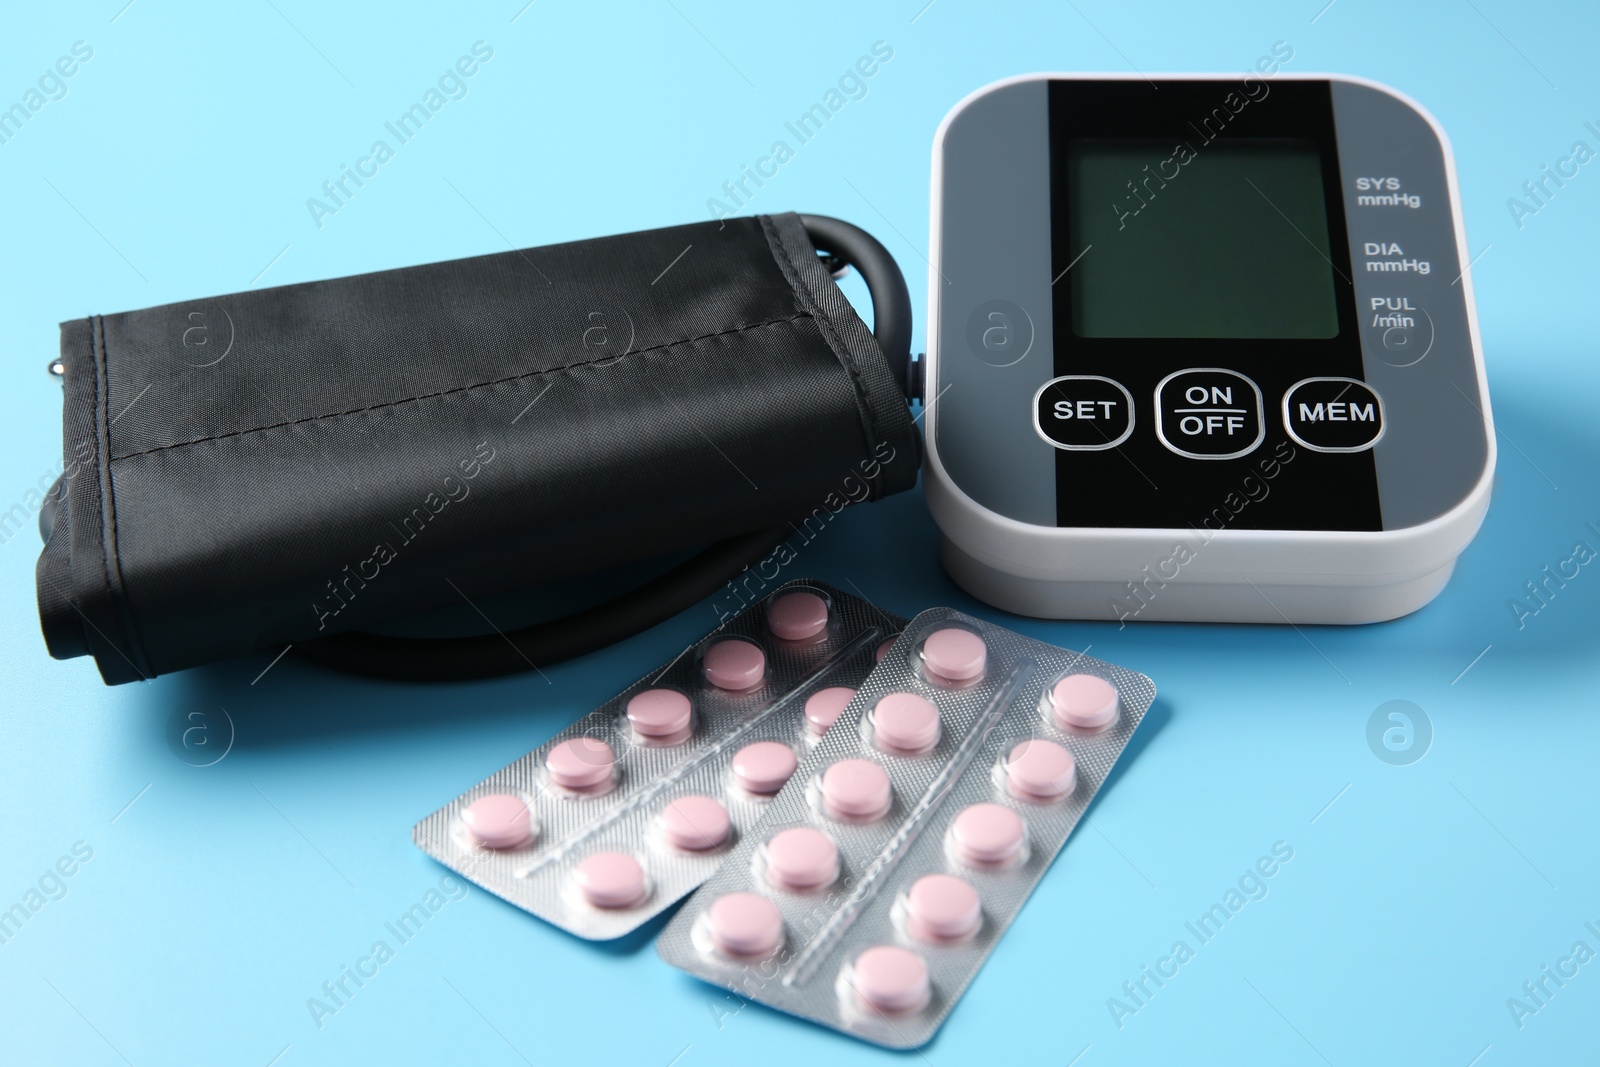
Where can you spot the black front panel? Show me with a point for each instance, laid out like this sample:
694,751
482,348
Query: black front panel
1201,263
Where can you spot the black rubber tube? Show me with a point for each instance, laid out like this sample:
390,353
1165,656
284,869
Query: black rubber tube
891,300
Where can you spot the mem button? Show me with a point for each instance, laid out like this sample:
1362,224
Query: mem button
1333,414
1083,413
1209,413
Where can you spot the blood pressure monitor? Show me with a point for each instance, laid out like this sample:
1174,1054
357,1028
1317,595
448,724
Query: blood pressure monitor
1201,348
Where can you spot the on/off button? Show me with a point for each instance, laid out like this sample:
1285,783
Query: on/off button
1083,413
1209,413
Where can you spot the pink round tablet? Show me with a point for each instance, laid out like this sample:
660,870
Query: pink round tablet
797,616
986,835
611,880
891,979
942,907
959,655
801,858
1040,770
905,723
883,650
856,789
659,713
1083,701
695,823
824,707
734,665
744,924
498,820
763,766
580,763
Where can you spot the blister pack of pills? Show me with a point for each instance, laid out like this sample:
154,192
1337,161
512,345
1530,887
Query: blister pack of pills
623,813
912,834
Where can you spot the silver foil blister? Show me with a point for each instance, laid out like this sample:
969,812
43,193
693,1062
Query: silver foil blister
825,930
622,813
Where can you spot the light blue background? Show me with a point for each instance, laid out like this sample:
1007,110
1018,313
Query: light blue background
223,897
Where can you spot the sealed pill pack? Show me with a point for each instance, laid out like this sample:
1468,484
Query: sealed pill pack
913,832
620,815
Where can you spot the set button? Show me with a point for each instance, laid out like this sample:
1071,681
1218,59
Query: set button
1083,413
1209,413
1333,414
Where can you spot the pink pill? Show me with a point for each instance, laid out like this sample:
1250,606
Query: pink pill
824,706
957,655
905,723
611,880
942,907
797,616
987,835
734,665
763,766
892,980
744,924
1083,701
659,713
695,823
883,650
580,763
498,820
1040,769
856,789
801,858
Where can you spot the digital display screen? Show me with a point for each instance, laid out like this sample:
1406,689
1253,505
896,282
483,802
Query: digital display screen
1199,239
